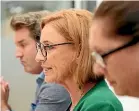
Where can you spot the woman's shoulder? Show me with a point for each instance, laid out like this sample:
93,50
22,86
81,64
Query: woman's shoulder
101,103
102,106
102,97
101,92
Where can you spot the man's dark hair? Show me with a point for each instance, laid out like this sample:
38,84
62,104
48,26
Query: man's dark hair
124,16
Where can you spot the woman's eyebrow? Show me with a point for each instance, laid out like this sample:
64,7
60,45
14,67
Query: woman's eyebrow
46,42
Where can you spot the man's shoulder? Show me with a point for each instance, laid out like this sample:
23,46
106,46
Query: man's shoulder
52,86
53,91
52,97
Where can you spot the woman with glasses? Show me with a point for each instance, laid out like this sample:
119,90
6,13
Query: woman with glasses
64,54
115,46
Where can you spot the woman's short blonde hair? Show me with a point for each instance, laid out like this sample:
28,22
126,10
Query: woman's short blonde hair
74,24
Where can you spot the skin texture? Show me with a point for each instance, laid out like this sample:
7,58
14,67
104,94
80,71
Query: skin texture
121,68
26,51
4,94
58,59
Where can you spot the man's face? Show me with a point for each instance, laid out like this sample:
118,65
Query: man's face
26,51
122,67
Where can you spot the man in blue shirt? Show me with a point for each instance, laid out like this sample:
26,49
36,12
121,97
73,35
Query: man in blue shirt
49,96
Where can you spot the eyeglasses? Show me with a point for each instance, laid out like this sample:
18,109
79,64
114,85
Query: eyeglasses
43,49
99,57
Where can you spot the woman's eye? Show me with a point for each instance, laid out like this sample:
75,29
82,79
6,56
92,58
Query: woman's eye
49,47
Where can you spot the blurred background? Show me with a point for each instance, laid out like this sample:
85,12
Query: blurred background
22,85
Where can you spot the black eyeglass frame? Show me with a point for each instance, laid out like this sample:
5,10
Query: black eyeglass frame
132,42
38,47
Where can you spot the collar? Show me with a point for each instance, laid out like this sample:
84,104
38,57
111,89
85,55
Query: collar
40,78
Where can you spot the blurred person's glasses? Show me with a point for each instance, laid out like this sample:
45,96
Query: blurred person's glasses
43,49
99,58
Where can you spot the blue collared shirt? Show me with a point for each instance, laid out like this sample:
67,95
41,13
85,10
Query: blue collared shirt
50,96
39,81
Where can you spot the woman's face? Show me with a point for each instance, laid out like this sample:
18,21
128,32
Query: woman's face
59,58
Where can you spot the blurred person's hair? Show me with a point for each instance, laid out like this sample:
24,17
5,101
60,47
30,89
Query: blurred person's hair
123,17
30,20
74,24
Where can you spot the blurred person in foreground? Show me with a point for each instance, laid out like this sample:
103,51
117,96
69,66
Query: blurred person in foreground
64,54
114,41
49,96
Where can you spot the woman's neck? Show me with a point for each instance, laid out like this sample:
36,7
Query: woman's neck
75,93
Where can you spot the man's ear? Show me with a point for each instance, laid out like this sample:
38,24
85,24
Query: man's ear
99,70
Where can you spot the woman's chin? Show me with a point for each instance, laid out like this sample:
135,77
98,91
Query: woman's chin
50,79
